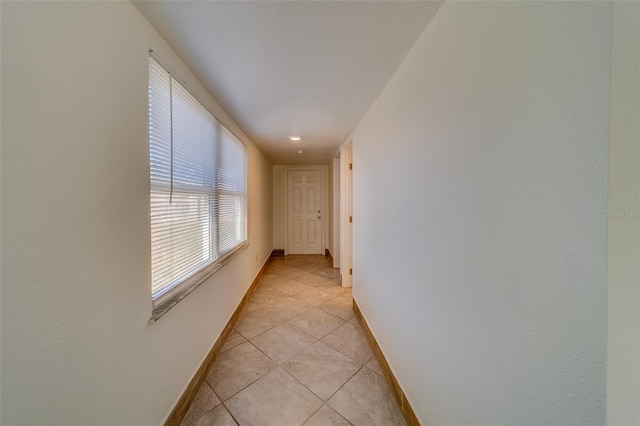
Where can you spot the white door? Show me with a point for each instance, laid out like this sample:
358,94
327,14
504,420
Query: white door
304,215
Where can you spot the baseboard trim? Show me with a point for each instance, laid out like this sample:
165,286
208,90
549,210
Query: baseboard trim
401,399
327,253
181,408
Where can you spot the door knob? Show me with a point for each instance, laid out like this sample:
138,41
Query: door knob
319,217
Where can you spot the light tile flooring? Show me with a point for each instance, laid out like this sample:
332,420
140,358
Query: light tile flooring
297,357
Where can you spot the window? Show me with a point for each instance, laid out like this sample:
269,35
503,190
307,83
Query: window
198,188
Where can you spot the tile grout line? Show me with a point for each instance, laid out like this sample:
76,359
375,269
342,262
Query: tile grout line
346,322
230,413
209,410
324,402
184,402
341,386
313,414
260,285
271,359
249,384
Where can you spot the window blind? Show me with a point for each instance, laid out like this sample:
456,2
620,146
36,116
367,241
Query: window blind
198,185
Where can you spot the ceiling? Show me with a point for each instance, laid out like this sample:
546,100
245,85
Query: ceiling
281,68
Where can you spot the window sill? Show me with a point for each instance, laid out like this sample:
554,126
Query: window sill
194,282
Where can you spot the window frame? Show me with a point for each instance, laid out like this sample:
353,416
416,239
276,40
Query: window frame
165,300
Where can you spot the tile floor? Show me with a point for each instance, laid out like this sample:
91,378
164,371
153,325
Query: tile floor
297,356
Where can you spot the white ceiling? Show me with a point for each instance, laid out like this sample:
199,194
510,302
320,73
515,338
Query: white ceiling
307,68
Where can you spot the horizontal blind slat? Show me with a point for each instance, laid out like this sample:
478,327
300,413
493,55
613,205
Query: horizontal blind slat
198,165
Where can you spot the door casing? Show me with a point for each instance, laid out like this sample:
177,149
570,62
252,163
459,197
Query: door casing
324,172
346,212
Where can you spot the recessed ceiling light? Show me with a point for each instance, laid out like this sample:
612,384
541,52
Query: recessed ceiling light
294,138
301,152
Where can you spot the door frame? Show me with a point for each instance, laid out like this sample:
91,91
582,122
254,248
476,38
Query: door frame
346,211
324,179
335,214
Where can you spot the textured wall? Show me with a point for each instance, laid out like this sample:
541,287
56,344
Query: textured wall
76,346
623,295
480,185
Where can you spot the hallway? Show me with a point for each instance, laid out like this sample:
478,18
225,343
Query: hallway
297,356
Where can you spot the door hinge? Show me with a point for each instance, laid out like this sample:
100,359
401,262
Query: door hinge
350,166
350,271
350,219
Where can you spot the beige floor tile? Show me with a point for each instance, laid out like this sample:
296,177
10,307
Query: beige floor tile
255,322
317,323
204,401
366,400
358,326
233,340
321,368
314,296
312,279
219,416
312,266
374,366
349,340
341,307
264,296
328,273
282,342
290,308
298,259
275,400
326,416
290,287
274,266
256,391
267,293
318,258
347,294
291,273
236,368
331,282
269,278
334,290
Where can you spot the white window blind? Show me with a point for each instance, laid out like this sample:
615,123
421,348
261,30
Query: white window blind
198,185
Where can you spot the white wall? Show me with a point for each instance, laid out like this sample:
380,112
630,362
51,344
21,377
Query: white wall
480,185
623,328
76,346
279,207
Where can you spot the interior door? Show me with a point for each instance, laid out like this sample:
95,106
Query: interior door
304,211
